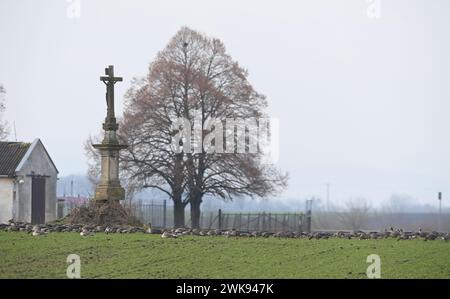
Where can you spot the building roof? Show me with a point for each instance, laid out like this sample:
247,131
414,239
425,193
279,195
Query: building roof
11,153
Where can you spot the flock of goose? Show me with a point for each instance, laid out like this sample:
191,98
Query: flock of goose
84,231
397,234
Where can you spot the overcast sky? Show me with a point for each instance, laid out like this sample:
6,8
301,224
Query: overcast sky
363,102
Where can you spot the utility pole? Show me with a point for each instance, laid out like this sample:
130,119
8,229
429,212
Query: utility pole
440,211
328,196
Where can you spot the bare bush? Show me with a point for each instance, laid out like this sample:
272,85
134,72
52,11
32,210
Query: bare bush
355,213
110,213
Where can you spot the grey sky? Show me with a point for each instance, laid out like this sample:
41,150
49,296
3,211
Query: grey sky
363,103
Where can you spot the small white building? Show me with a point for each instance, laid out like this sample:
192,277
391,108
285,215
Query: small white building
28,179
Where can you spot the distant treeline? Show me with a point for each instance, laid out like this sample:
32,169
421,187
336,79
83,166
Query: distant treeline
379,221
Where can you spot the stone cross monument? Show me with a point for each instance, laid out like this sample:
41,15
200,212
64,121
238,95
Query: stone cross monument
109,188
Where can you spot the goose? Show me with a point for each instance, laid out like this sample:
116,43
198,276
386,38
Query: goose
108,230
211,233
395,234
363,236
148,229
256,234
153,231
186,232
321,236
85,232
195,232
125,230
38,233
265,234
290,234
373,235
233,233
230,233
279,234
166,235
180,230
421,234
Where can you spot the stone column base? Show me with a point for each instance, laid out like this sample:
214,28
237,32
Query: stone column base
112,193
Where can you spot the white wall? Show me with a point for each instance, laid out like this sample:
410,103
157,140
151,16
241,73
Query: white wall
6,199
38,163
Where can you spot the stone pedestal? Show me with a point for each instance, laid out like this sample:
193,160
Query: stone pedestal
109,188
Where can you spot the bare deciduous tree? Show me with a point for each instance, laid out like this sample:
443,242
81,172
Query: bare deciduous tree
217,87
146,128
193,74
3,125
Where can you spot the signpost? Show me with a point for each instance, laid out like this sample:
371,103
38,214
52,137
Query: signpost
440,211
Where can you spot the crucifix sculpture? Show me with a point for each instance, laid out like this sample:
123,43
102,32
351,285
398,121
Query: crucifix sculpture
109,80
108,188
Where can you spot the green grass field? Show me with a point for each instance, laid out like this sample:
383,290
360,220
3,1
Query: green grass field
149,256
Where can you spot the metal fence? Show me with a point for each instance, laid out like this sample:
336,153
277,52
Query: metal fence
162,215
270,222
156,214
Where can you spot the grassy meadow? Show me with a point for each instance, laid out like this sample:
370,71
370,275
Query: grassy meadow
149,256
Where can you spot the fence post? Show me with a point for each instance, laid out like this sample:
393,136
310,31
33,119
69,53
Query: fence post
309,221
257,223
220,219
269,219
240,221
165,213
264,221
211,217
